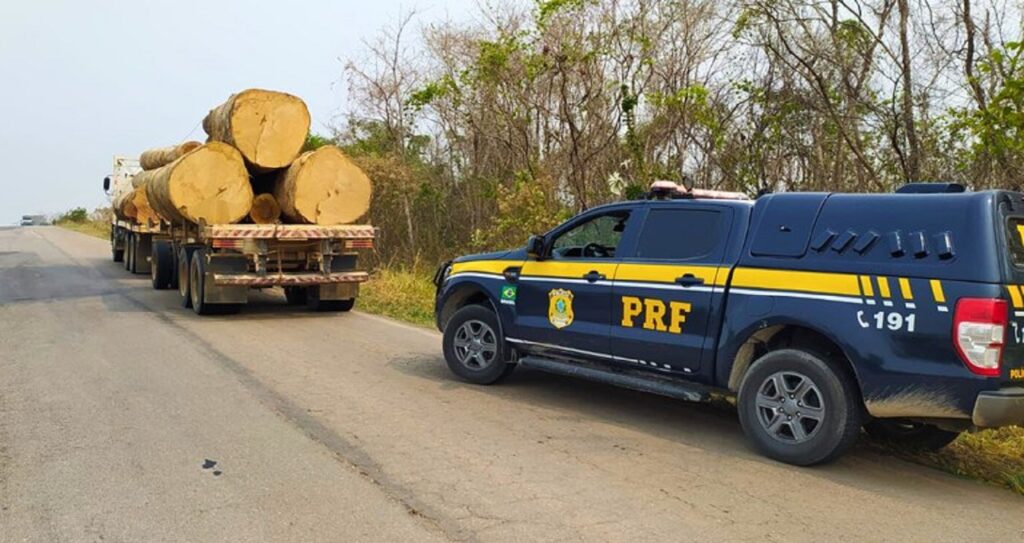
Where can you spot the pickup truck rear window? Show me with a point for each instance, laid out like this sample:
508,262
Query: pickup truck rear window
1015,238
679,234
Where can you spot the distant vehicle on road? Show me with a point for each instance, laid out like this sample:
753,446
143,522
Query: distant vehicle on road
33,220
821,313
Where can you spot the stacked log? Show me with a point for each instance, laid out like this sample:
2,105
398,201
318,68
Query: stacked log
250,170
208,185
323,187
269,128
265,210
156,158
134,205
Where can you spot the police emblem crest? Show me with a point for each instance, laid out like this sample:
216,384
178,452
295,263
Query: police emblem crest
560,307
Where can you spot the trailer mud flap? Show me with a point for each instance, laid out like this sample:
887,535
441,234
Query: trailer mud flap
338,291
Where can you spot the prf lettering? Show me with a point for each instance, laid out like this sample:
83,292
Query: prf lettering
654,313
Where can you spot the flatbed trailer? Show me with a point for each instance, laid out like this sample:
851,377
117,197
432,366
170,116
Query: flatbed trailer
213,267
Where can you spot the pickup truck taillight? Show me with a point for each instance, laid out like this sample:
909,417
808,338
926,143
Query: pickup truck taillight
979,326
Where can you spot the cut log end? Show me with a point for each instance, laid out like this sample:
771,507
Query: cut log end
269,128
209,185
323,187
265,210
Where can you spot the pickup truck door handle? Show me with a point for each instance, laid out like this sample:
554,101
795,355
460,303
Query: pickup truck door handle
593,276
689,280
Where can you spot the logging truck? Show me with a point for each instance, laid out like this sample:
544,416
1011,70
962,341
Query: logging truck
213,267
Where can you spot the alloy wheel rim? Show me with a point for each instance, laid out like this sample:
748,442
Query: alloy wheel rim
476,345
790,407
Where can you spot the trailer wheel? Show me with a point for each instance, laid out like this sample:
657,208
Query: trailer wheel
196,279
161,270
133,265
128,251
117,255
197,282
295,295
184,285
314,303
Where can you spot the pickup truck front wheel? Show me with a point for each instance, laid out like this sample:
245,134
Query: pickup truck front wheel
796,408
473,346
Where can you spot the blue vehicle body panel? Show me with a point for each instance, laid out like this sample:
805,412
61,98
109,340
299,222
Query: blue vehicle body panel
877,275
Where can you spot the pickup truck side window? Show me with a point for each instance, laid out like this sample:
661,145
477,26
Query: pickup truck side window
596,238
1015,238
679,234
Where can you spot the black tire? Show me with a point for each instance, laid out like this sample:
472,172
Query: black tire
314,303
184,284
197,281
831,416
128,252
162,267
133,262
471,362
908,435
295,295
197,284
117,255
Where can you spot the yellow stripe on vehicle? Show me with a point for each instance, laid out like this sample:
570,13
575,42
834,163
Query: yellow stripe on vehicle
937,293
482,266
667,273
1020,232
1014,295
566,270
797,281
883,287
905,290
865,283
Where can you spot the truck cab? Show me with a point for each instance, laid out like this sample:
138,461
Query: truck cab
820,313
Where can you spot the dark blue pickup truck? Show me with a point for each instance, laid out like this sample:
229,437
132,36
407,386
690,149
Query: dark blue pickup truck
822,313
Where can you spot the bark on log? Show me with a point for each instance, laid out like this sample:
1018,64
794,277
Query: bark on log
133,205
209,185
269,128
162,156
323,187
265,210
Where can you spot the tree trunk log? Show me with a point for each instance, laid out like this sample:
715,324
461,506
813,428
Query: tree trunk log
265,210
156,158
133,205
269,128
323,187
209,185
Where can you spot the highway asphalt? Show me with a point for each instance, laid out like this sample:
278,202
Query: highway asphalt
124,417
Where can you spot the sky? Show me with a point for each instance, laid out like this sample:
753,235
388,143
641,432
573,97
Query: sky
81,82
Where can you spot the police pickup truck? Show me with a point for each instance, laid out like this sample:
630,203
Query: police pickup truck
821,313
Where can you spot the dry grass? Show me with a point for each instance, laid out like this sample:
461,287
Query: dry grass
995,456
94,228
404,295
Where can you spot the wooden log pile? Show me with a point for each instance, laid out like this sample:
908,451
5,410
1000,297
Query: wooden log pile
251,169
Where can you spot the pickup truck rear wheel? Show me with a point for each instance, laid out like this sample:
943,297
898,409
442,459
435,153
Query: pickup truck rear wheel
910,435
474,348
796,408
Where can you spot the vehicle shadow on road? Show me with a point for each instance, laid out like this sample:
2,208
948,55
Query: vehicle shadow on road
711,427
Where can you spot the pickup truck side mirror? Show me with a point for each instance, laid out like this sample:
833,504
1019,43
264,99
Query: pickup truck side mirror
535,247
106,184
